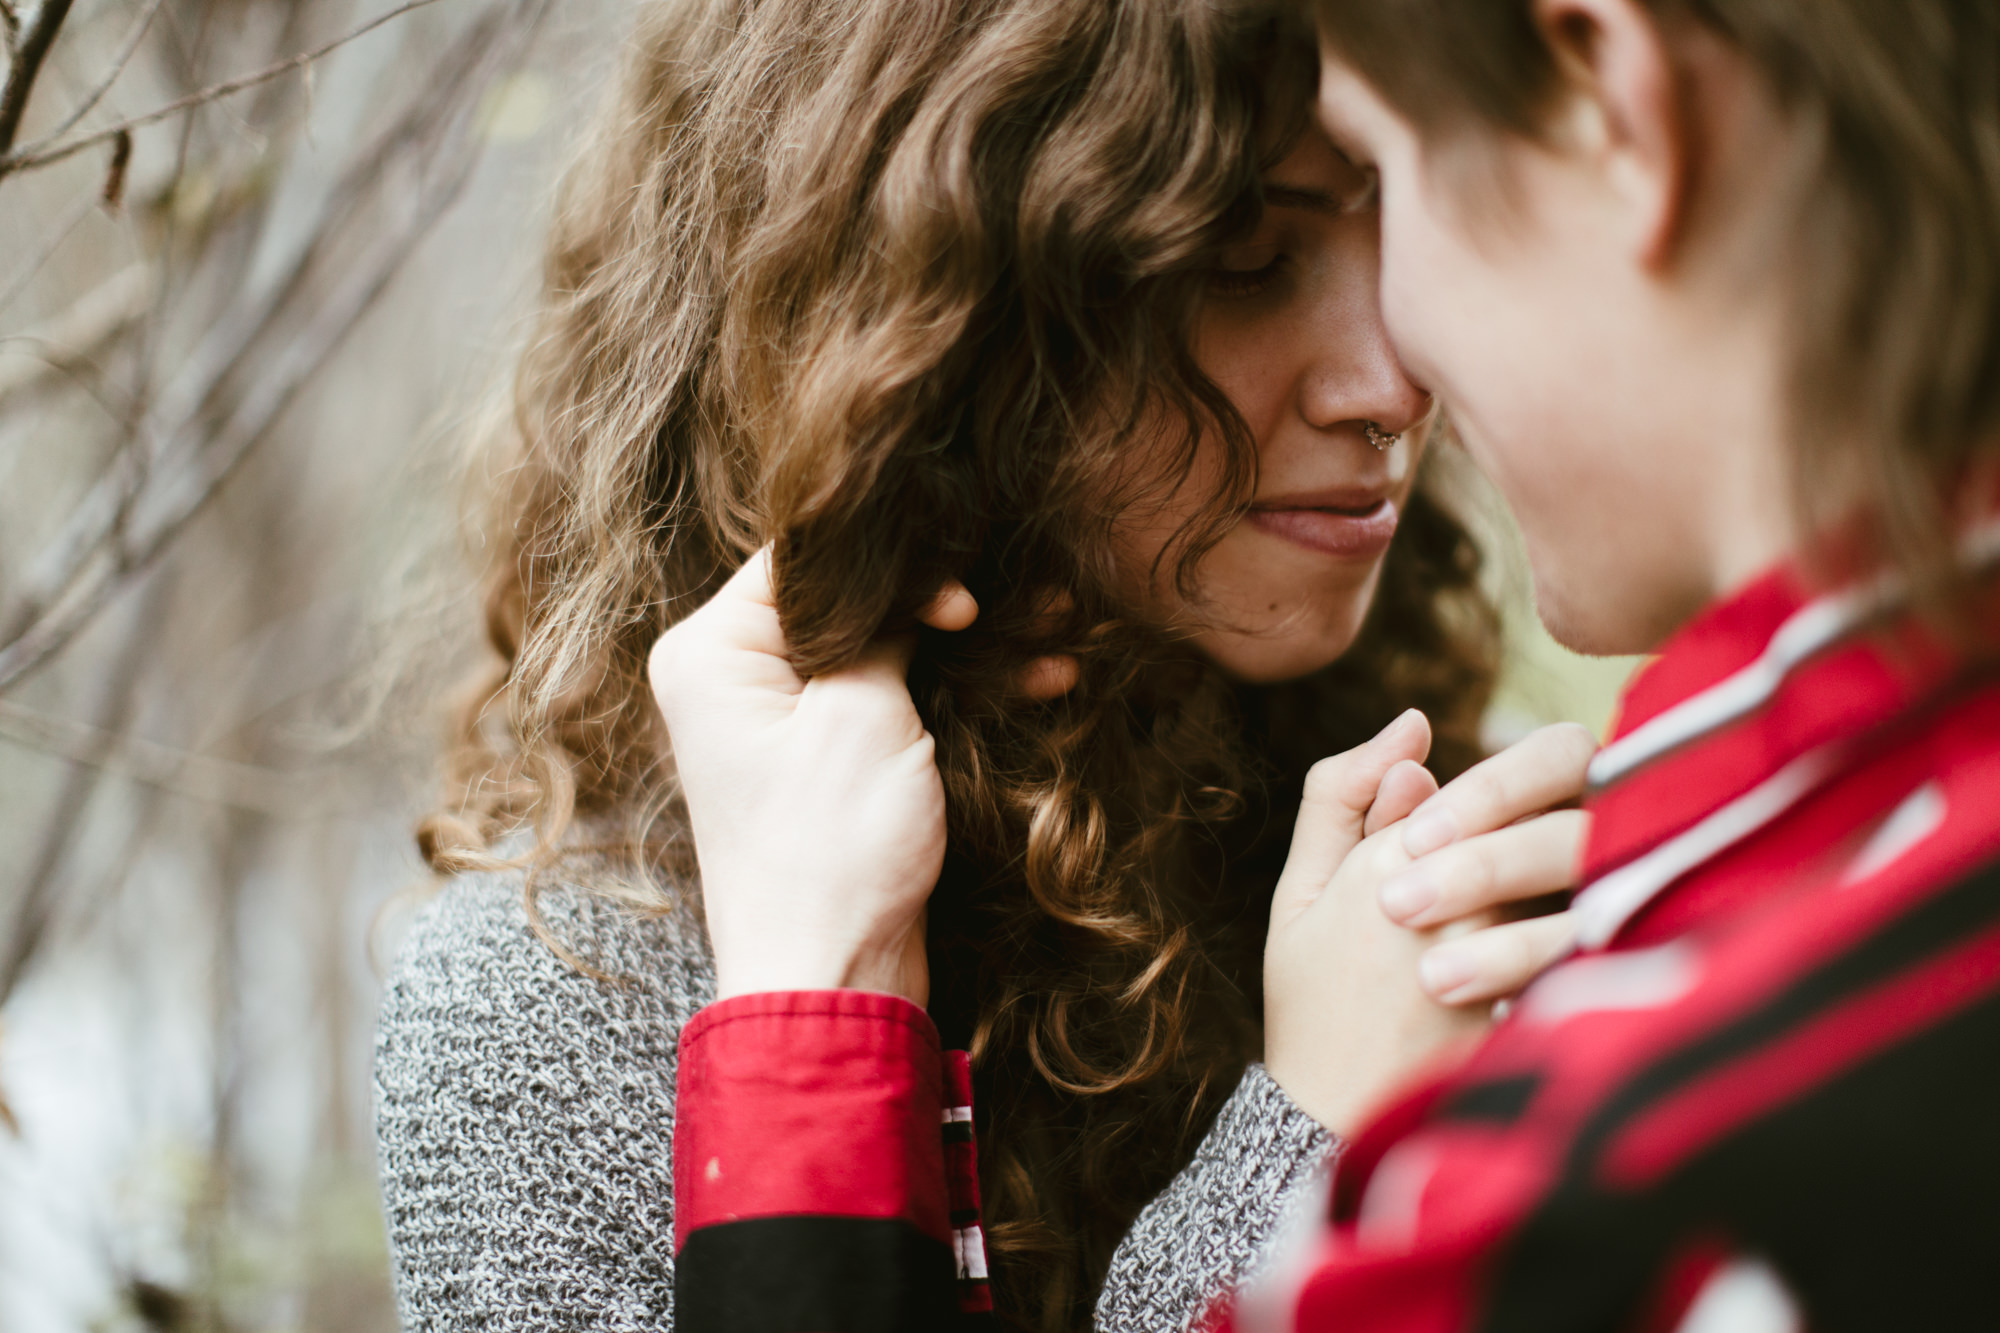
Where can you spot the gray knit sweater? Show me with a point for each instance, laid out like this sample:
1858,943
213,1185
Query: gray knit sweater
525,1117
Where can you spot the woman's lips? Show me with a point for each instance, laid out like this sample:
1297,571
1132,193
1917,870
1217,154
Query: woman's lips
1353,534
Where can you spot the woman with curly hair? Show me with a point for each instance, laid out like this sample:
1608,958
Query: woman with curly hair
1060,304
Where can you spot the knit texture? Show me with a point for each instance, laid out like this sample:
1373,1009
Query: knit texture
1220,1217
525,1120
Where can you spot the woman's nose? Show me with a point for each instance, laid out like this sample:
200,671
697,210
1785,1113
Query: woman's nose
1352,375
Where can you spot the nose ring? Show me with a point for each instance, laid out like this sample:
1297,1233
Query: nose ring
1383,440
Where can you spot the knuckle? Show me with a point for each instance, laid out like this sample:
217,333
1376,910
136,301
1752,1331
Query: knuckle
1570,743
1326,781
1381,854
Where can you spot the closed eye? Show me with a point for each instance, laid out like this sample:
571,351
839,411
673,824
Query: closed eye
1359,192
1227,279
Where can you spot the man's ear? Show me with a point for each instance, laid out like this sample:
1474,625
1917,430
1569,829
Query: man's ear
1623,106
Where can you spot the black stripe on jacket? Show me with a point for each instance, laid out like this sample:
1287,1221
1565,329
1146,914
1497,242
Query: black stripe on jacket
817,1275
1874,1193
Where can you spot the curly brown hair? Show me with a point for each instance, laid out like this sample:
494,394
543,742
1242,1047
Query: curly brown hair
898,285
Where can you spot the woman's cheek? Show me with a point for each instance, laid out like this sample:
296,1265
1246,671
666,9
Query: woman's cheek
1263,620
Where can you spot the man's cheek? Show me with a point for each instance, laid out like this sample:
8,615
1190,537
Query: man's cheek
1402,313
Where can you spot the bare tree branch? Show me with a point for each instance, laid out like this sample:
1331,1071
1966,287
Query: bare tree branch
234,339
79,332
34,904
200,777
113,194
117,67
25,58
18,283
106,541
43,152
243,324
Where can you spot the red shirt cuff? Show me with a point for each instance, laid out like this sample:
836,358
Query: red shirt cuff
824,1103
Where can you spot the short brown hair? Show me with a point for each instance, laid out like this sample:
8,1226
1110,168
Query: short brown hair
1894,256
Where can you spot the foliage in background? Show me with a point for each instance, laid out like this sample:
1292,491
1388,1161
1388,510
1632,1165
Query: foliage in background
248,249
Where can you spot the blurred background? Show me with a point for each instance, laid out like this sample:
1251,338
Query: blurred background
259,261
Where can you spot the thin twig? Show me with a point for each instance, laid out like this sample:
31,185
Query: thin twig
78,332
200,777
26,62
113,193
118,64
277,388
85,373
232,341
100,518
18,283
41,153
34,903
107,542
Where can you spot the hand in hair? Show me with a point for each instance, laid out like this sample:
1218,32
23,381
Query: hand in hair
1050,677
817,810
1351,1008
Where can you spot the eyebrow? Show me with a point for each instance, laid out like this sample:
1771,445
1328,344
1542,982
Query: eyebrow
1300,196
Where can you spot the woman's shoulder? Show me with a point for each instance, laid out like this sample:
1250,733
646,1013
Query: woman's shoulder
473,954
524,1100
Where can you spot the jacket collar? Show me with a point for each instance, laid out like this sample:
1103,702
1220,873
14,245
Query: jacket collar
1749,709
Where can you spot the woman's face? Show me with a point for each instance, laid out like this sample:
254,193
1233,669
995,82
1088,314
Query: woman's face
1291,329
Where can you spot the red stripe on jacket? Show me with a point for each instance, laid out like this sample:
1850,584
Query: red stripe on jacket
1773,1038
810,1103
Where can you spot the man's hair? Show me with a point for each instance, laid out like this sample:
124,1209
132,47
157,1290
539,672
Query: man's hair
1893,255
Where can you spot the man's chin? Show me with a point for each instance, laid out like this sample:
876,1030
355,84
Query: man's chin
1605,621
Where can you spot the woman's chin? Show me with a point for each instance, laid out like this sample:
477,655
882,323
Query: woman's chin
1272,624
1279,656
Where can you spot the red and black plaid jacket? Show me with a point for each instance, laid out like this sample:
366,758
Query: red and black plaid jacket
1764,1095
824,1171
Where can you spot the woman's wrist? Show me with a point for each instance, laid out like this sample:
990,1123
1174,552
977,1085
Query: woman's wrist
1333,1105
775,965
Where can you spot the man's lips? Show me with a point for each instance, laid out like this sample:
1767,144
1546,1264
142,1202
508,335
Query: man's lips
1353,531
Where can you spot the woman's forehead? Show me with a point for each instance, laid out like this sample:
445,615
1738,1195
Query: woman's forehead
1314,175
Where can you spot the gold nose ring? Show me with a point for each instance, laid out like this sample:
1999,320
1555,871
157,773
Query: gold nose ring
1381,439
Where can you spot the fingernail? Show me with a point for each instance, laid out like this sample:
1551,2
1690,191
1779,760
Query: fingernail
1408,895
1444,971
1402,720
1431,827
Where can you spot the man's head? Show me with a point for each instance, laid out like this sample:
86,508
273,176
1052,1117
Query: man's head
1696,279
